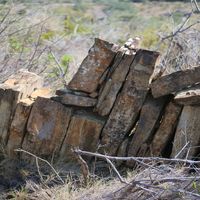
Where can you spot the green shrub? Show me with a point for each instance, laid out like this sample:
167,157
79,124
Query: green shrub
15,44
48,35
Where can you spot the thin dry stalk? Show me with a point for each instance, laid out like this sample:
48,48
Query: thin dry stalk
43,160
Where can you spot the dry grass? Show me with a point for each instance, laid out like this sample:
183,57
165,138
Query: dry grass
154,181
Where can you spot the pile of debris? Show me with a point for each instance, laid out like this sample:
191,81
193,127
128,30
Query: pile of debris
114,104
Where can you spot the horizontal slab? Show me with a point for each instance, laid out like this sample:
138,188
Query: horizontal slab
175,82
190,96
75,100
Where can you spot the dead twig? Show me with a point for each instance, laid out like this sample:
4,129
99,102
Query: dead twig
85,169
157,159
43,160
84,166
116,171
197,9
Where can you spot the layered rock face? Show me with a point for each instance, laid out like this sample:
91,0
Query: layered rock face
111,105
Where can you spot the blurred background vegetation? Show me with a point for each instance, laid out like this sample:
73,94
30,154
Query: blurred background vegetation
32,31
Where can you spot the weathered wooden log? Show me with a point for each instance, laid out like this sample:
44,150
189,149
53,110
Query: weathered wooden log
175,82
130,100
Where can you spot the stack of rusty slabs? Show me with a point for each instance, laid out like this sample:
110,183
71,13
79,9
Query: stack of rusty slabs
111,106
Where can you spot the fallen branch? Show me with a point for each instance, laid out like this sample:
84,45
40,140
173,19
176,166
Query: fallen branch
116,171
157,159
83,163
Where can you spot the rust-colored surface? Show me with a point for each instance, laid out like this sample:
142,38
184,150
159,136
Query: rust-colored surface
93,66
130,100
46,128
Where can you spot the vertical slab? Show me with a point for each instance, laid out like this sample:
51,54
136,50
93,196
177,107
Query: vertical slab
93,66
130,100
187,132
18,127
46,128
148,122
83,132
166,130
113,85
8,102
19,85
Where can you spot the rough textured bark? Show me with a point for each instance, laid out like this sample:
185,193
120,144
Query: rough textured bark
188,97
46,128
18,127
187,132
114,83
93,66
166,130
75,100
175,82
148,122
129,102
84,131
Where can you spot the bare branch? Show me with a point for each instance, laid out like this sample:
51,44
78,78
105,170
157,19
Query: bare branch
157,159
84,167
116,171
196,6
43,160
